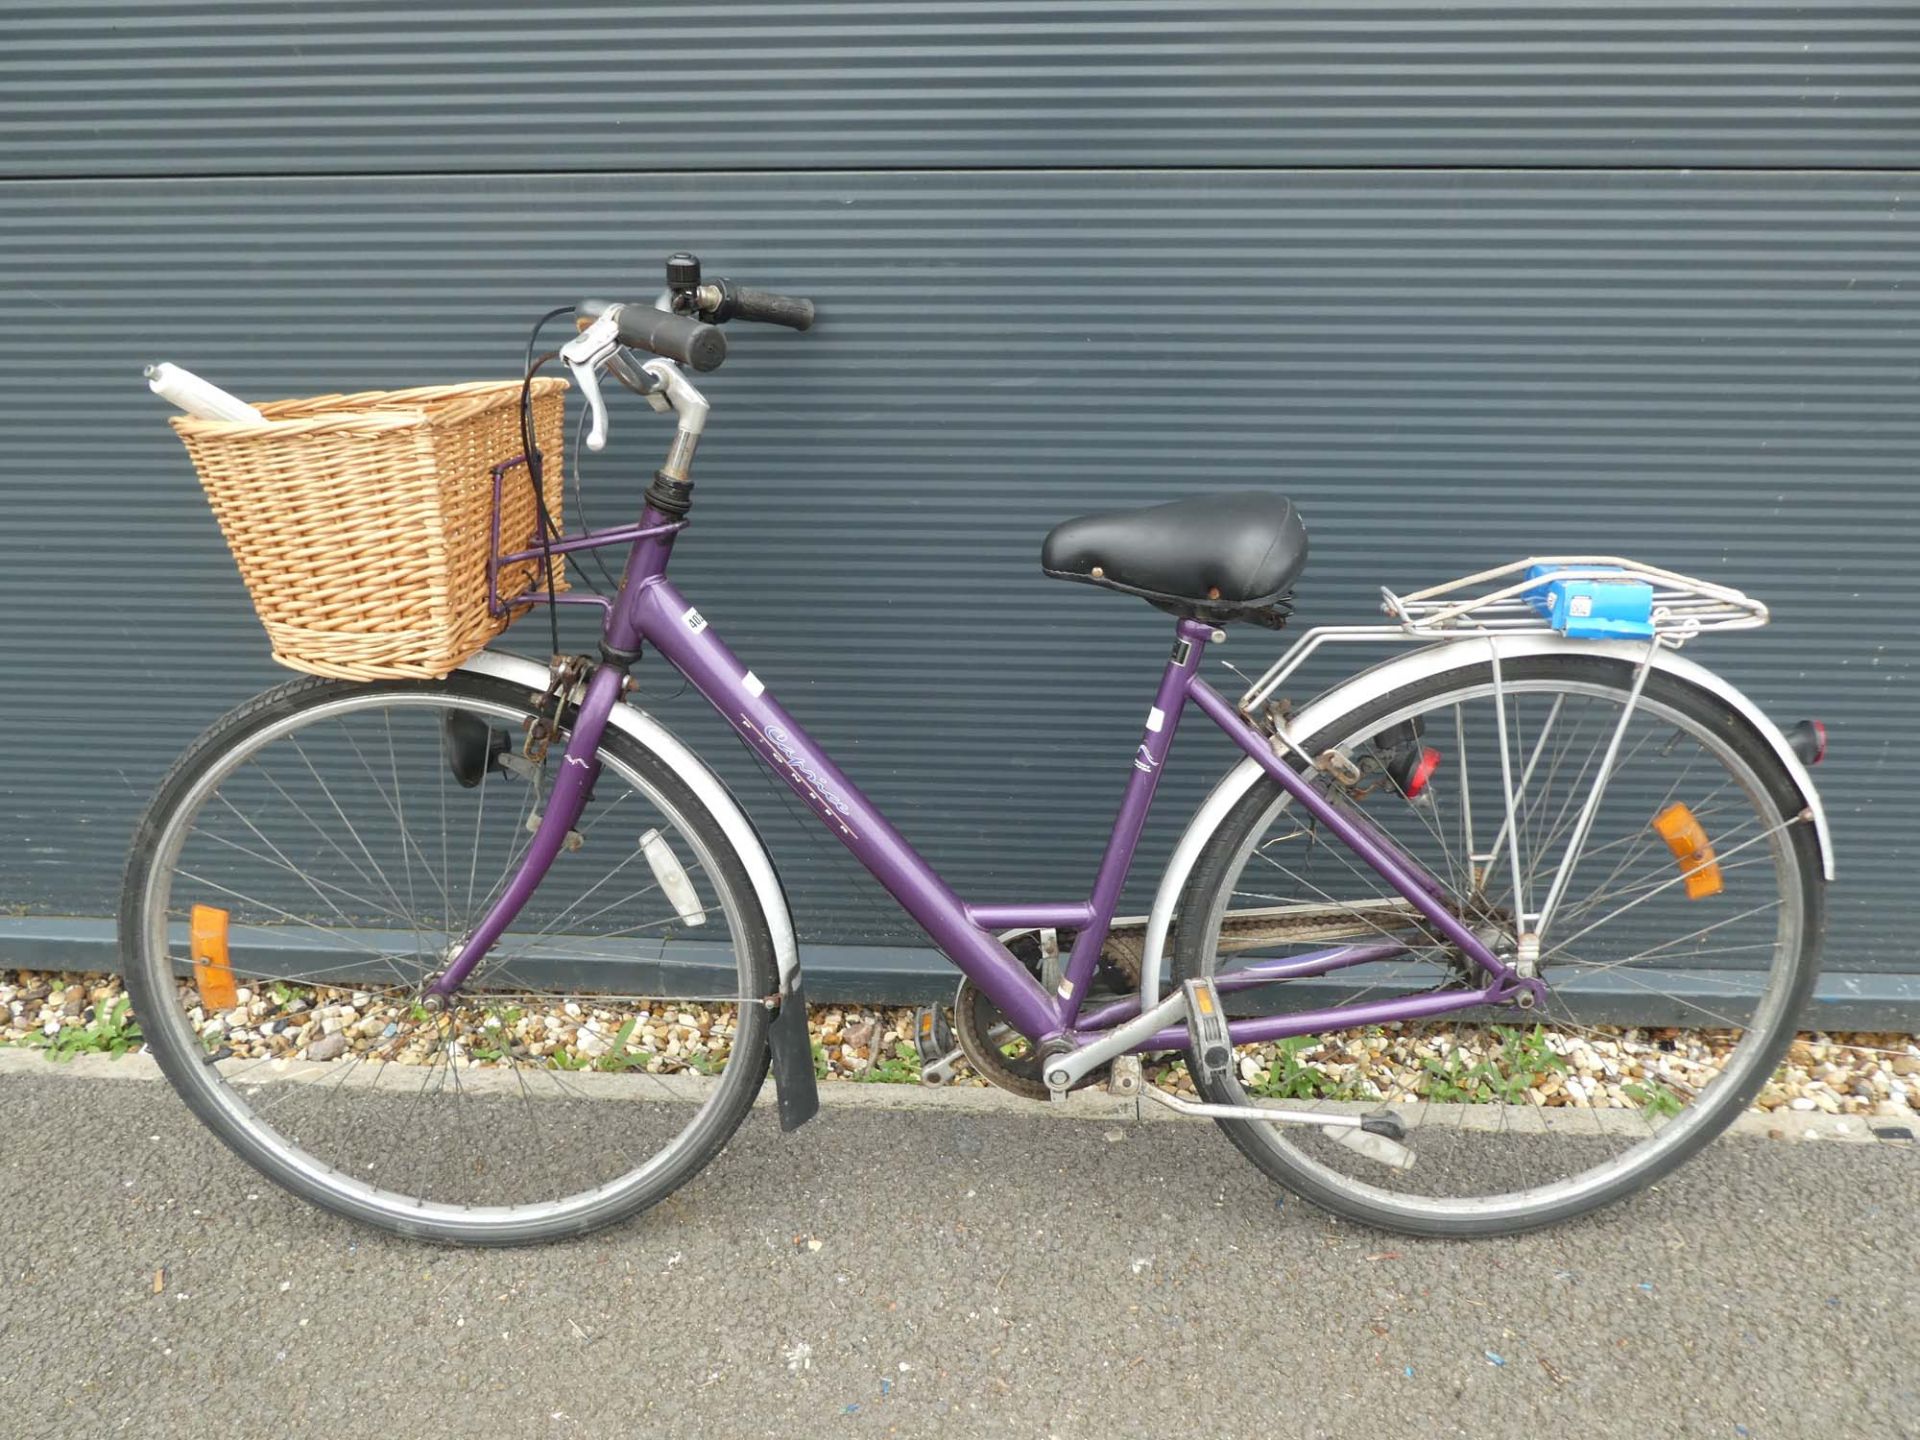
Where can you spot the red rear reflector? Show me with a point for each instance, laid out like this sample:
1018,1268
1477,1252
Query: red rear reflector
1423,772
1808,740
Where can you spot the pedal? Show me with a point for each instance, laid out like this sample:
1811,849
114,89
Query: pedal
933,1039
1378,1136
943,1070
1212,1051
1124,1077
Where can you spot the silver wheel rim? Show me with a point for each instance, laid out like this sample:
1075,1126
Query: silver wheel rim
353,1193
1670,1136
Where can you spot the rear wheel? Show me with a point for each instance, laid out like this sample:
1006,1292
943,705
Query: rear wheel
1673,991
595,1060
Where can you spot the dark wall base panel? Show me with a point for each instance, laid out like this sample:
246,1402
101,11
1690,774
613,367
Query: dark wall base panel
890,975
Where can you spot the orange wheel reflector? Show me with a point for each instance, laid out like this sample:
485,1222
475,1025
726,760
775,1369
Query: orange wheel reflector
211,974
1692,849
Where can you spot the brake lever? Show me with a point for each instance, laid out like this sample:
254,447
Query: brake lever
584,354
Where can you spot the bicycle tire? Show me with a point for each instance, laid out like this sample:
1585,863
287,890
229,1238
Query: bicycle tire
150,976
1266,1147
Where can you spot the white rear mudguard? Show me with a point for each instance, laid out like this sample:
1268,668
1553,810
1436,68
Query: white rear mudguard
1406,669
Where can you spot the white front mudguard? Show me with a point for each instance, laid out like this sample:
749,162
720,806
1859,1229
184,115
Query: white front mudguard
694,774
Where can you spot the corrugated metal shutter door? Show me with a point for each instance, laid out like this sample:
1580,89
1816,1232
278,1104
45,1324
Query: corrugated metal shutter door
107,87
1447,366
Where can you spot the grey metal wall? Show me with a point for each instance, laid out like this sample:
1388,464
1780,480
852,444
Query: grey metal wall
155,87
1467,282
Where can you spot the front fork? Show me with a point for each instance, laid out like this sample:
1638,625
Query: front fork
580,767
566,801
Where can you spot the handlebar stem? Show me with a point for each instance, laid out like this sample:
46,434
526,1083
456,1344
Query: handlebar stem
679,394
683,397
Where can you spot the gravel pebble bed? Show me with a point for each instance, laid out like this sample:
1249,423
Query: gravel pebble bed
1837,1074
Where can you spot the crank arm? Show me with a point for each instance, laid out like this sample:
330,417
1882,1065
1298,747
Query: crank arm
942,1070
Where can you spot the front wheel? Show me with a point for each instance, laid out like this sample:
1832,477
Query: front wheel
1674,985
346,838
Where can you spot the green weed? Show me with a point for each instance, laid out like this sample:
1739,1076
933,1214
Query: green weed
900,1068
1653,1097
113,1033
1289,1079
1523,1061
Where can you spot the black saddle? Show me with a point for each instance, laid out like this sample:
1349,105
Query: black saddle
1214,557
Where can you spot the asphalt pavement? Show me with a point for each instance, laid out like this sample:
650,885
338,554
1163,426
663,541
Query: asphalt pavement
943,1272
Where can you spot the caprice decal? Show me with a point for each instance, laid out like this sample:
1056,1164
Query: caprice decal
787,757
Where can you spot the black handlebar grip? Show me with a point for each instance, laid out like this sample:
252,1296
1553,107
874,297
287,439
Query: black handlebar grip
677,337
772,309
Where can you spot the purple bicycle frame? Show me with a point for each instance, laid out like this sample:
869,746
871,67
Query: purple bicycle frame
648,611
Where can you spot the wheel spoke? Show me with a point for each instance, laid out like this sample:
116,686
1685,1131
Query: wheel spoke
533,1097
1629,940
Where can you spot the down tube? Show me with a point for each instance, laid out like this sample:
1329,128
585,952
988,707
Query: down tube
677,630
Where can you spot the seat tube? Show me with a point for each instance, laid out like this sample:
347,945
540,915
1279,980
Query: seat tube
1149,759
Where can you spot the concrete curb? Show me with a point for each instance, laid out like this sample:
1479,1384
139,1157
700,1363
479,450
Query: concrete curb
1091,1105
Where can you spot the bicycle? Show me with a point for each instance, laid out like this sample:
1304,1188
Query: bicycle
521,1023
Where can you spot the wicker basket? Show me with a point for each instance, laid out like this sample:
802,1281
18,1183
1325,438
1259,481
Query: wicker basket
362,523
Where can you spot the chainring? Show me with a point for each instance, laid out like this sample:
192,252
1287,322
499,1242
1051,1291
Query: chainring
985,1038
1003,1056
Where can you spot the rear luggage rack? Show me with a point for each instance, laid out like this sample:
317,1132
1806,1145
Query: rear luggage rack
1510,600
1579,596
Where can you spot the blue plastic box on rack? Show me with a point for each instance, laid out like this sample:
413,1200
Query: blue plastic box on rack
1593,607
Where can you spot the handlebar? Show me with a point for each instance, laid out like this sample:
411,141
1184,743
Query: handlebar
676,337
688,333
721,300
